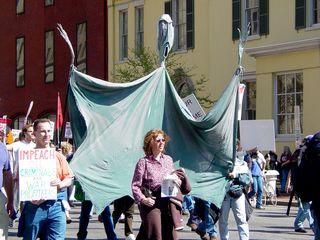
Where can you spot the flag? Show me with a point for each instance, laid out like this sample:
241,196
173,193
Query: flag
59,117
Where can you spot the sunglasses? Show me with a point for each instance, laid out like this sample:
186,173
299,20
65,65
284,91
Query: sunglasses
160,140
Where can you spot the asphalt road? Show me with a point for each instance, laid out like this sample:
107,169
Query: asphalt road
269,224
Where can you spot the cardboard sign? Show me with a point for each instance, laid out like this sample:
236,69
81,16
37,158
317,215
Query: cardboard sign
37,168
257,134
194,107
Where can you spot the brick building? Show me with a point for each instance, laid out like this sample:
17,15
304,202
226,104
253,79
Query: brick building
35,60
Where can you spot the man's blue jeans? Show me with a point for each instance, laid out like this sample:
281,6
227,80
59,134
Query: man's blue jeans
47,219
257,188
303,213
84,221
207,224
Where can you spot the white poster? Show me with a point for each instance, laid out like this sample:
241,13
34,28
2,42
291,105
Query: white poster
37,168
194,107
257,134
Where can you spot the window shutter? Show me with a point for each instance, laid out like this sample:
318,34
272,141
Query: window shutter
167,8
300,14
264,17
190,23
236,18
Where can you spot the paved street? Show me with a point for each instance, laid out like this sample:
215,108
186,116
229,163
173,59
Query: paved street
271,223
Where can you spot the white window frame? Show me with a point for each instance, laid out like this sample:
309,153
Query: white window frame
310,14
139,27
287,113
123,35
255,27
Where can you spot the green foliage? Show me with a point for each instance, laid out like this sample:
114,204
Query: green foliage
141,63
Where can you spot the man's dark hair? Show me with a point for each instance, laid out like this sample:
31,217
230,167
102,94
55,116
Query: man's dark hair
40,120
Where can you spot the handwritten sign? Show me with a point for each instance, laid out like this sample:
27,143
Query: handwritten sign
37,168
194,107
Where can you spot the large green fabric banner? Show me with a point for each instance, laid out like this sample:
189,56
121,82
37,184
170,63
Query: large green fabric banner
109,121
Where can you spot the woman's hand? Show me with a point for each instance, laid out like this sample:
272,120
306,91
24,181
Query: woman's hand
150,201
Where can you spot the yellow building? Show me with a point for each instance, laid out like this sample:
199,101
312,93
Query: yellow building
281,60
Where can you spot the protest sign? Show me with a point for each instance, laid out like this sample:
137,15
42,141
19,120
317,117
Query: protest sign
194,107
257,134
68,131
37,168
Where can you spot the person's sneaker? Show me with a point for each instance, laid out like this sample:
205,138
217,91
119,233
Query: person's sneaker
301,230
261,208
203,235
131,237
193,226
69,220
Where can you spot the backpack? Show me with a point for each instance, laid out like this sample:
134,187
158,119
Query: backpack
305,182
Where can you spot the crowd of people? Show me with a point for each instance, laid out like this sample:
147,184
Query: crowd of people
160,216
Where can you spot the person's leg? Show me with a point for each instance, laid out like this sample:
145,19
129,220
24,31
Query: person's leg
86,207
129,211
223,220
151,221
259,191
3,217
284,179
254,187
239,212
35,217
56,223
118,209
167,231
108,224
316,228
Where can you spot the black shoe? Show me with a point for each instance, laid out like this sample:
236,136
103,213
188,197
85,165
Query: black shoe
301,230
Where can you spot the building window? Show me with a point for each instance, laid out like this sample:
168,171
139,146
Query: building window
249,101
315,12
49,57
18,122
48,2
255,12
20,7
82,47
307,13
123,35
252,16
182,14
139,28
289,93
20,62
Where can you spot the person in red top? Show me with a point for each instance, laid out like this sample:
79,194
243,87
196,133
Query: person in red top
46,218
149,173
